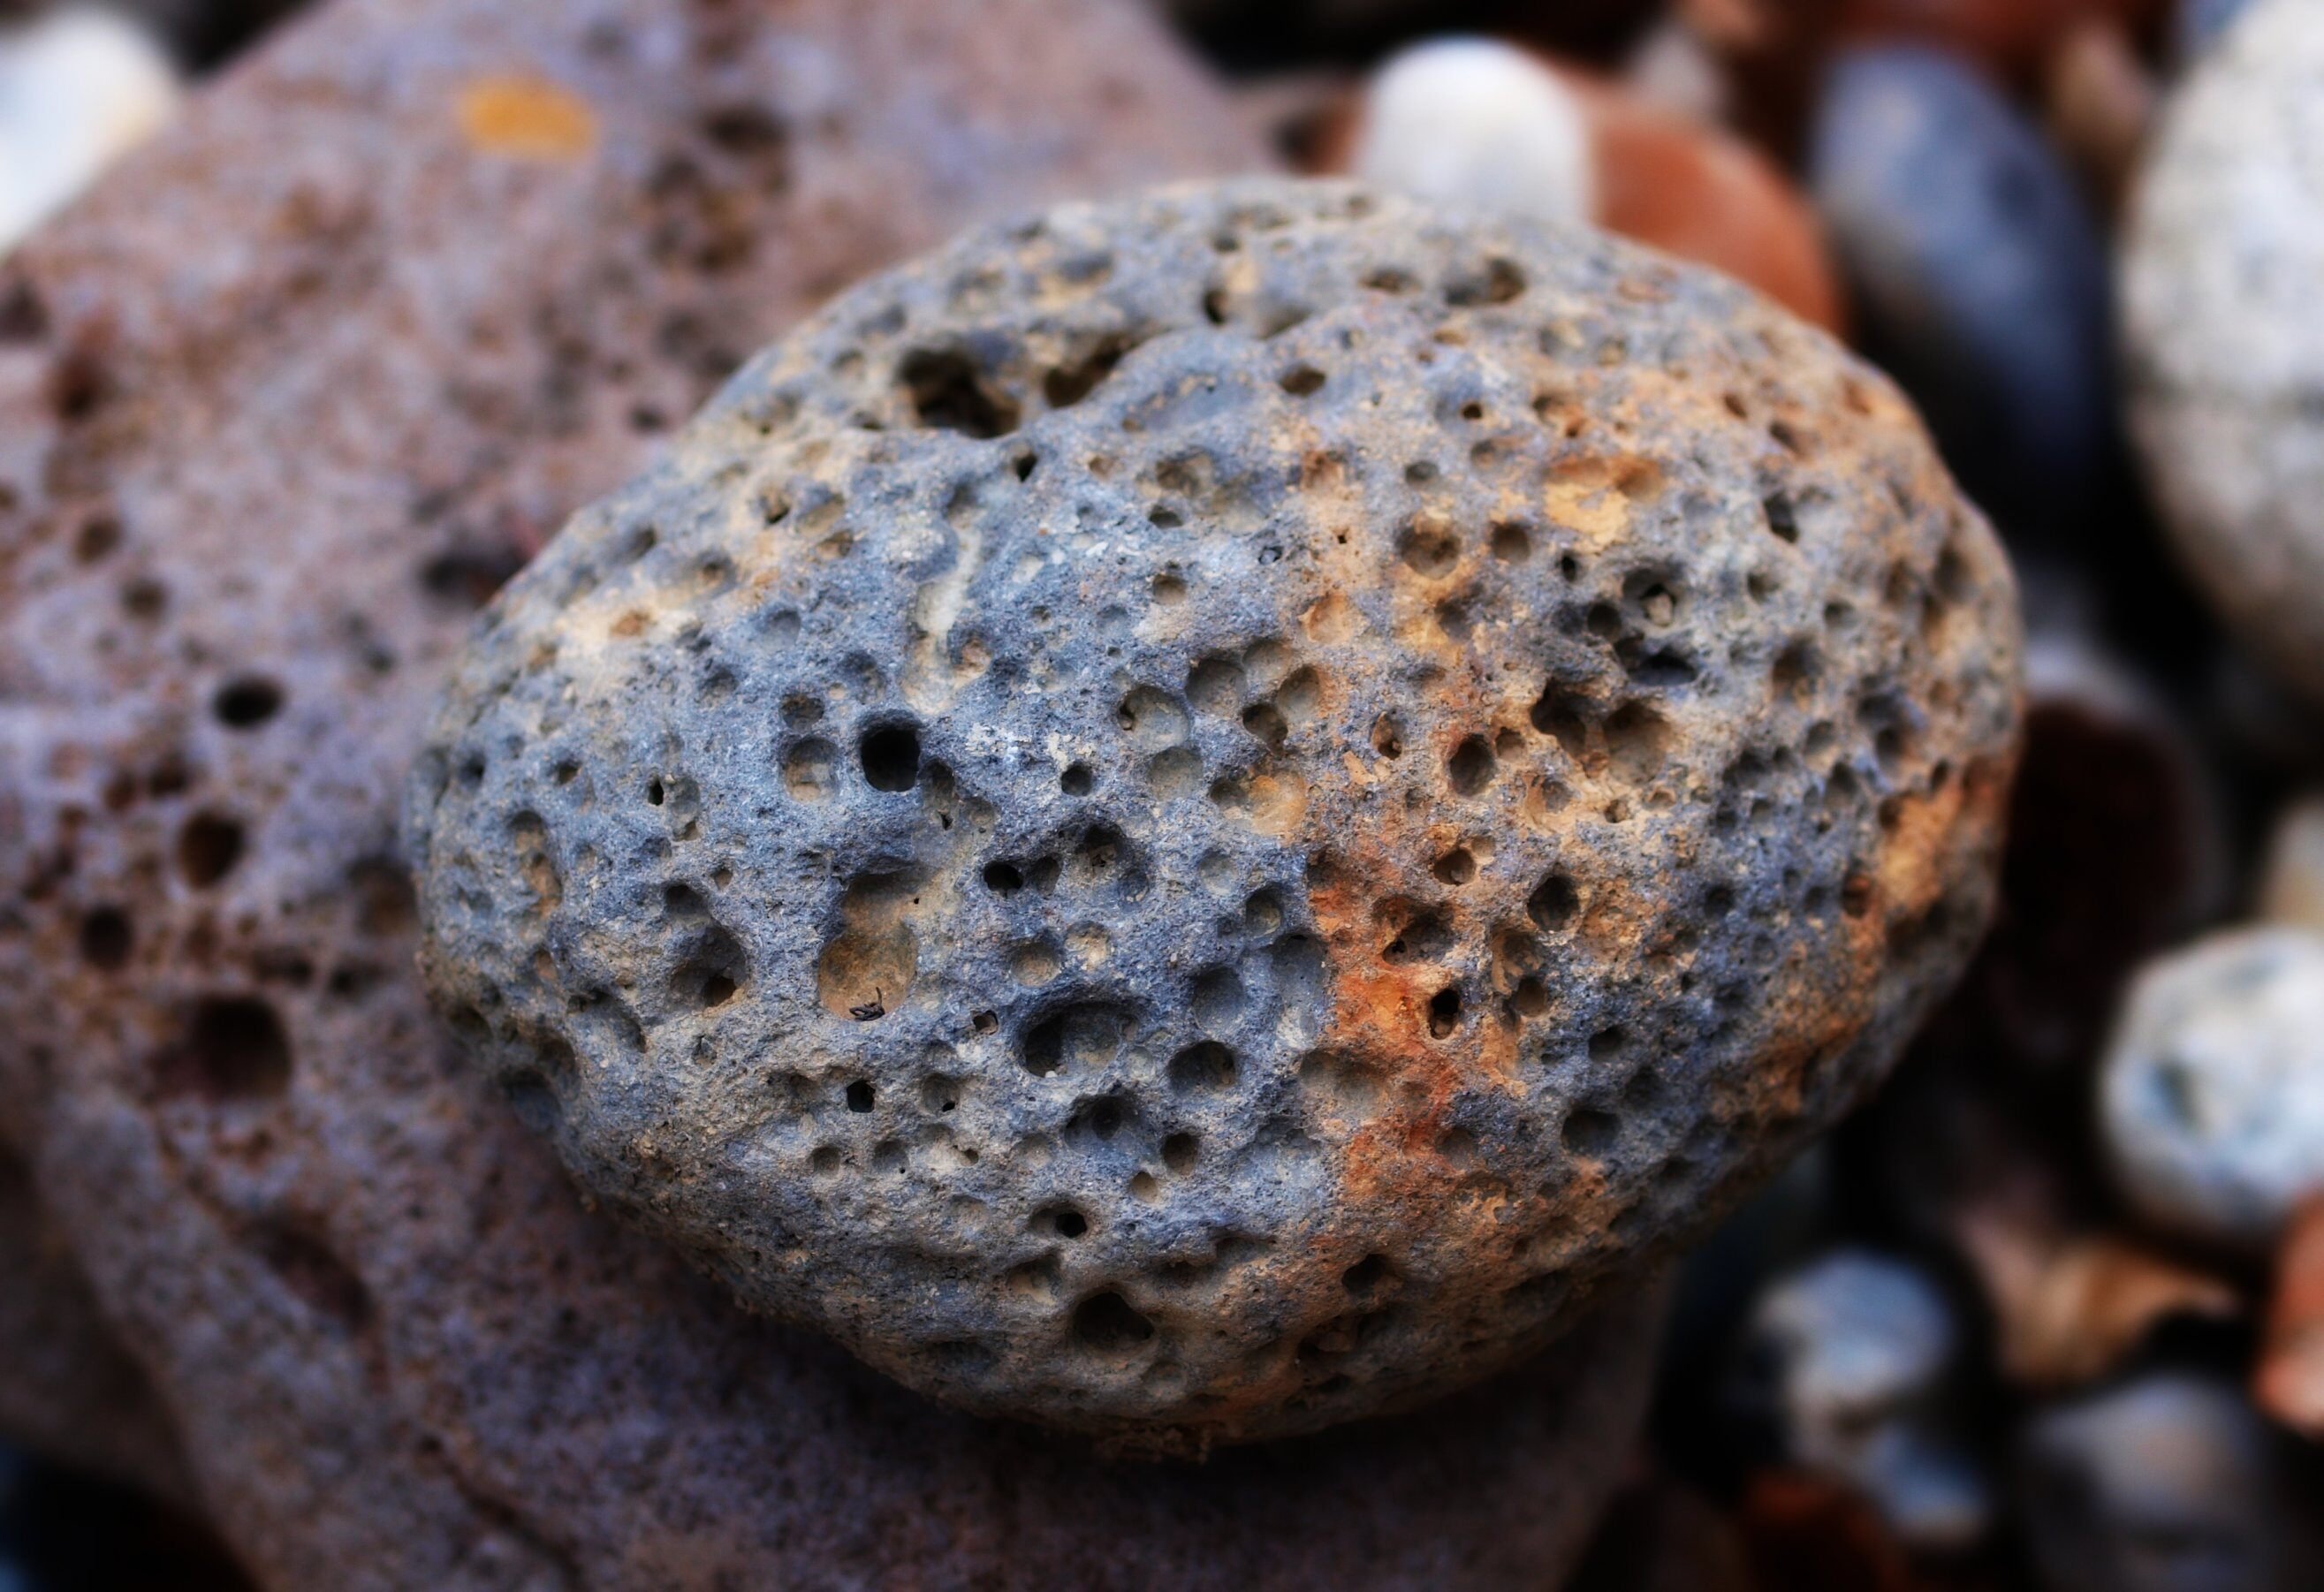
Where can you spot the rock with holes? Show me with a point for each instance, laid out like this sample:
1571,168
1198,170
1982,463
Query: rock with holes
2225,355
2213,1098
1197,818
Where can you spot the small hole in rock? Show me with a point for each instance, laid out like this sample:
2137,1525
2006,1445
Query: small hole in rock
1180,1151
1106,1323
1444,1013
1554,902
1208,1065
859,1096
1077,780
208,847
235,1049
1471,766
105,938
947,395
1590,1133
247,702
891,757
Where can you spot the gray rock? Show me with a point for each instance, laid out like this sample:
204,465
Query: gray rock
2212,1096
2170,1484
1855,1352
1979,274
1197,818
2223,244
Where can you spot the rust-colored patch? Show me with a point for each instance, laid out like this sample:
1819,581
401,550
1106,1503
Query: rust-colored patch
525,118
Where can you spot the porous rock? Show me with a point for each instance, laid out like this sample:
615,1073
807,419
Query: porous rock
1196,818
283,401
2224,353
2212,1099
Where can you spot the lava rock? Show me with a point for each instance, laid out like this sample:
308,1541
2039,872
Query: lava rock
1477,123
2225,235
2170,1484
1979,276
2292,884
1194,819
1851,1357
2213,1098
258,493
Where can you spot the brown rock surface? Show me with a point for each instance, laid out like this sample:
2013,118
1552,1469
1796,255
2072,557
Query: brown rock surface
281,405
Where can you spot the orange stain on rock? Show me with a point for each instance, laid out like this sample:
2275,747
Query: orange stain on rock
525,118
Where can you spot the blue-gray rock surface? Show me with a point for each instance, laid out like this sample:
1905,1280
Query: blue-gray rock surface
1200,817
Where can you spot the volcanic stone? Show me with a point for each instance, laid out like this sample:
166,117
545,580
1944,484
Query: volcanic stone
481,251
1197,818
2225,352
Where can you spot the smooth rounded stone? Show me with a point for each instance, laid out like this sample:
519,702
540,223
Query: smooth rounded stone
2224,352
1851,1356
2291,882
1483,124
1195,819
79,90
2212,1096
1979,276
2168,1483
1480,123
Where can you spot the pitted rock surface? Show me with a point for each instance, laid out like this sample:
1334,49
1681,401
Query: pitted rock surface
1195,818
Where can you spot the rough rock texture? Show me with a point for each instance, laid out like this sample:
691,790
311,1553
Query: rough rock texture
277,408
67,1391
2212,1100
1195,818
2225,352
